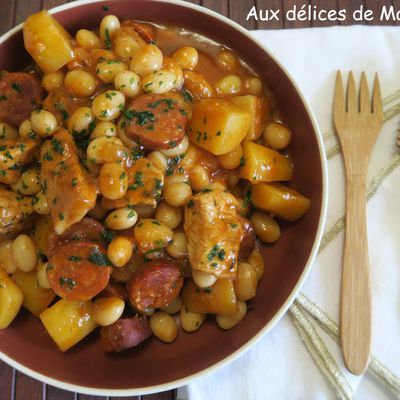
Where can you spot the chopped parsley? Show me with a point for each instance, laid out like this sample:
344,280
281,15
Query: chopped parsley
107,39
74,258
233,226
70,283
107,236
60,107
138,181
95,257
169,103
16,87
216,251
123,175
247,199
105,8
57,146
74,182
190,203
242,161
187,96
142,117
60,215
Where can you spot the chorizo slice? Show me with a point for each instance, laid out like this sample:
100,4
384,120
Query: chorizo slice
79,271
155,121
86,230
124,334
20,94
154,285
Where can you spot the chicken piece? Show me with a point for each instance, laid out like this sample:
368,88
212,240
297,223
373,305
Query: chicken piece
214,232
14,154
145,186
15,211
70,190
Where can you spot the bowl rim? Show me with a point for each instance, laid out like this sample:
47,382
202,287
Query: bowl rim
256,338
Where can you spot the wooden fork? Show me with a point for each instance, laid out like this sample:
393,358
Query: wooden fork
358,122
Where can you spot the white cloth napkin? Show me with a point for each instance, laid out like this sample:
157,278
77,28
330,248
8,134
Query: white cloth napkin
279,365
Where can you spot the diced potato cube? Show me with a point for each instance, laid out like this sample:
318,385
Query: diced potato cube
11,299
47,41
262,164
217,299
68,322
218,126
36,299
286,203
259,110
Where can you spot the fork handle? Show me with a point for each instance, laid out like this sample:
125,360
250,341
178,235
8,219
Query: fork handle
356,290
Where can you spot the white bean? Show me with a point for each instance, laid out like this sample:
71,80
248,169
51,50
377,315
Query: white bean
122,218
191,321
104,128
177,150
40,204
159,160
81,120
203,279
28,183
147,60
88,39
53,80
179,246
159,82
246,282
230,84
107,310
169,215
43,123
128,83
108,26
108,105
25,130
177,194
105,150
6,259
108,70
41,275
174,306
24,253
163,326
187,57
228,322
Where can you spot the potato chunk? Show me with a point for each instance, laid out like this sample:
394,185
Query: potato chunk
286,203
264,165
68,322
218,299
47,41
259,110
36,299
11,299
218,126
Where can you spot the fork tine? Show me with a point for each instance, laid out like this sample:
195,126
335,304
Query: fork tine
365,102
338,101
376,98
352,106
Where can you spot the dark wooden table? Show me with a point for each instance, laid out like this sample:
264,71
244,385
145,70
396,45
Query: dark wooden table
17,386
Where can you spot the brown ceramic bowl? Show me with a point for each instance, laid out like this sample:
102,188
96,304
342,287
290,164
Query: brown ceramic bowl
154,366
